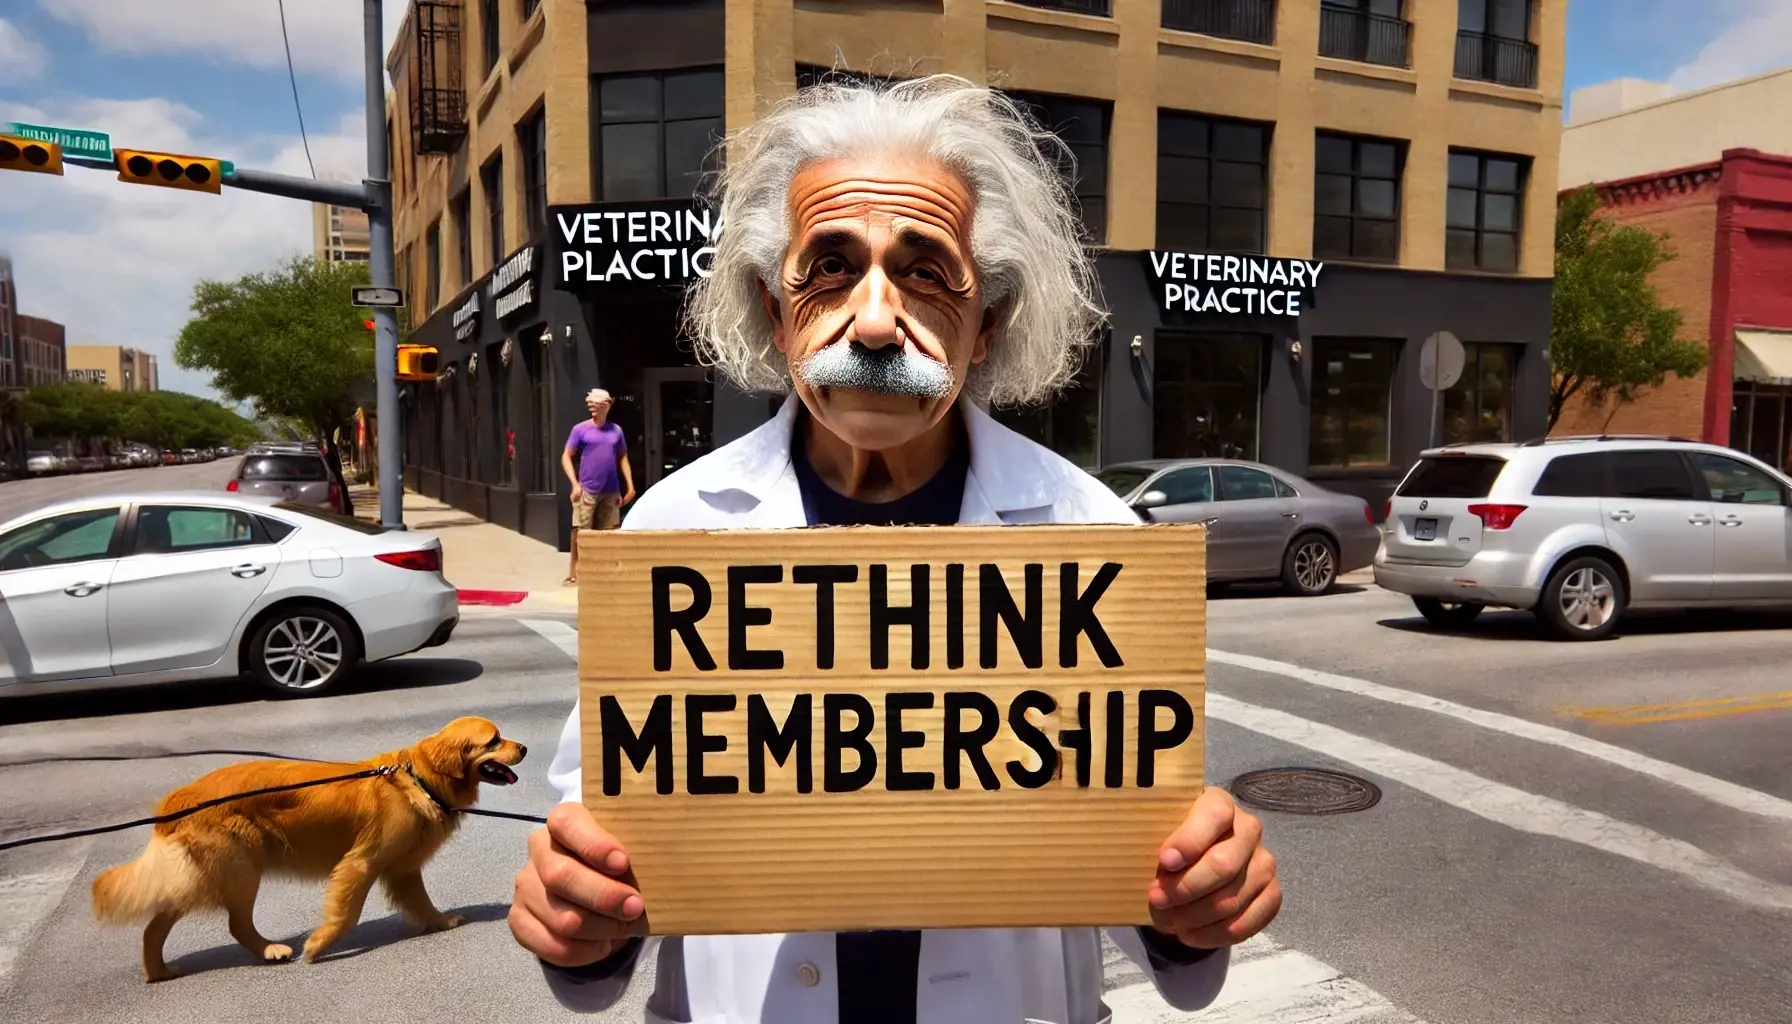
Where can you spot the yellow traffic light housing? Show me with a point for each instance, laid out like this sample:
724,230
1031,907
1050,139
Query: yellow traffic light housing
170,170
18,153
418,362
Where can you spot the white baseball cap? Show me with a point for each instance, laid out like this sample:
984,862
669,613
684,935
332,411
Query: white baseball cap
597,395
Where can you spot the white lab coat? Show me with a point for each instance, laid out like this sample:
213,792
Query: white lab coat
1007,976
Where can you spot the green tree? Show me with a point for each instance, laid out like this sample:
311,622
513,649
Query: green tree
167,419
1610,335
287,341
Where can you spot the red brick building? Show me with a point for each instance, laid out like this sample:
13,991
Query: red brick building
1730,224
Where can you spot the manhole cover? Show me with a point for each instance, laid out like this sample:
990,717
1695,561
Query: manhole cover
1304,791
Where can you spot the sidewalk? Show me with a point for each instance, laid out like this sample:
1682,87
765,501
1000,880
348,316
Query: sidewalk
492,566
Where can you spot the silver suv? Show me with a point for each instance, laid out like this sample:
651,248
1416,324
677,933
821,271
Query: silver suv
1580,529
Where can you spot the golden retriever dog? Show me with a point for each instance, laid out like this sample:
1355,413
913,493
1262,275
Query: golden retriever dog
381,828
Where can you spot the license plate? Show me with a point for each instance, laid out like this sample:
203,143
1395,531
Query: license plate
1424,529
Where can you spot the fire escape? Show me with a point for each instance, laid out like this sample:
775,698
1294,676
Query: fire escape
438,97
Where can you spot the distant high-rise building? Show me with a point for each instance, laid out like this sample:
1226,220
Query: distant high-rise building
113,366
43,351
9,329
339,233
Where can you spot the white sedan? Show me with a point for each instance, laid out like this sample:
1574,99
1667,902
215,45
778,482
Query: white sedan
125,590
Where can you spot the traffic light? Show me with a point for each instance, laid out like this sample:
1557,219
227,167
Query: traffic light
18,153
169,170
418,362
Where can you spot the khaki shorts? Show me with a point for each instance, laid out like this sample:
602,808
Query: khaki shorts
597,512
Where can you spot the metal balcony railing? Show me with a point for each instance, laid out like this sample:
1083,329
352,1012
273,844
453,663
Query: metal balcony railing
1361,36
1095,7
1497,59
438,97
1253,21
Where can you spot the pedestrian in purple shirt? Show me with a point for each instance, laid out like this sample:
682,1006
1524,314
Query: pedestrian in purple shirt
596,461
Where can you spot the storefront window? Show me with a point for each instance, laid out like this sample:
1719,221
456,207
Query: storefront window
1071,424
1759,422
656,134
501,425
1206,392
1353,390
1478,407
547,446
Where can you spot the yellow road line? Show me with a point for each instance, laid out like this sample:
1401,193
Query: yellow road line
1685,711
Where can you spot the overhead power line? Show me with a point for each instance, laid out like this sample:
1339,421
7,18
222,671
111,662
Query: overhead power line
293,77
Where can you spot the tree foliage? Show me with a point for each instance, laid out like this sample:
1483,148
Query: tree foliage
166,419
1610,334
287,340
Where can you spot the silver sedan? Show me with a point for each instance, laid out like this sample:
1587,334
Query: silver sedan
1262,523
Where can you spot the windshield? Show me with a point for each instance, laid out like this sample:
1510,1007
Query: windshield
1123,480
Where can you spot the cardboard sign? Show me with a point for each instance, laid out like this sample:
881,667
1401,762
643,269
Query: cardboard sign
839,729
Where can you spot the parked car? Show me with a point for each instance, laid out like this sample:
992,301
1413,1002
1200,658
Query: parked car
1580,530
1262,523
44,464
302,477
136,589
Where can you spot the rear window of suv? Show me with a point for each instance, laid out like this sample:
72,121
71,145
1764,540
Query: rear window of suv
284,467
1452,476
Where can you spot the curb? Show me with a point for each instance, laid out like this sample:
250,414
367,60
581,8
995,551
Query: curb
492,598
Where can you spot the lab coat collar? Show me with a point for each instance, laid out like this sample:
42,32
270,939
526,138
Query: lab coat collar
756,473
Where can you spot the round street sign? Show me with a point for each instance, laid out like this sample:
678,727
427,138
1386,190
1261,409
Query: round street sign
1440,361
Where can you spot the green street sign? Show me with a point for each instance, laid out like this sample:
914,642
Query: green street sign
74,141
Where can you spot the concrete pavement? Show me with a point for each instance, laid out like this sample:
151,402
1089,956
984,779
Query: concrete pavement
18,497
1524,864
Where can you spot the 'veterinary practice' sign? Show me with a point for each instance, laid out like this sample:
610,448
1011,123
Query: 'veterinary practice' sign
835,729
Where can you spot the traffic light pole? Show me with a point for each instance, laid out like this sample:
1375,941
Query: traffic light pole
378,204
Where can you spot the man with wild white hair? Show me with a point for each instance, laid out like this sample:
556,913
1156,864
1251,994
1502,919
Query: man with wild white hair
596,462
892,253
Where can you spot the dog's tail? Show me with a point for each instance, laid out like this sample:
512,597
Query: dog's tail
164,878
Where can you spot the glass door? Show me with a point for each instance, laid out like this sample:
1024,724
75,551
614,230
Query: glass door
679,414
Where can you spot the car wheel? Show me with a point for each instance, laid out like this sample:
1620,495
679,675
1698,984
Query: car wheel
1583,599
1310,565
302,652
1448,614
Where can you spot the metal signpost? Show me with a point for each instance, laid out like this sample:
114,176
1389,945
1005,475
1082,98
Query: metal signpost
1440,367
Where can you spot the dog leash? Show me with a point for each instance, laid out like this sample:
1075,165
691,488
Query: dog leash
195,809
448,808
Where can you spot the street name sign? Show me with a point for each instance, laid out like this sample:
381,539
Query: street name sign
74,141
974,727
375,296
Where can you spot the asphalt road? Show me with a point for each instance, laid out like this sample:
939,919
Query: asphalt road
18,497
1530,860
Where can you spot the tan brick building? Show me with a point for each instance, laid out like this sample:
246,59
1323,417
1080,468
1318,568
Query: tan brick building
1405,151
114,367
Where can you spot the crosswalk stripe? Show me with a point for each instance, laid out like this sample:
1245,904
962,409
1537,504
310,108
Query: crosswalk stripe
27,898
556,632
1506,805
1716,790
1267,983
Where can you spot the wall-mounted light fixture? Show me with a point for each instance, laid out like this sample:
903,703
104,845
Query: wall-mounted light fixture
1138,346
1294,350
547,335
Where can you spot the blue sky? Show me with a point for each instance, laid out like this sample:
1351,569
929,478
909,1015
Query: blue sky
117,264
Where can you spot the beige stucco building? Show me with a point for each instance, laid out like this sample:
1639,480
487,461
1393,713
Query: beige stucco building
1407,147
339,233
113,366
1627,127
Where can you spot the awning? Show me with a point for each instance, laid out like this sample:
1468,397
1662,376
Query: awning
1764,357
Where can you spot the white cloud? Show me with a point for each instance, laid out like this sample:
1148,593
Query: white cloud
21,58
117,262
326,34
1757,39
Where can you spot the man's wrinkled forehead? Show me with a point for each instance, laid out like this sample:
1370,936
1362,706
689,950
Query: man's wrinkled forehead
916,204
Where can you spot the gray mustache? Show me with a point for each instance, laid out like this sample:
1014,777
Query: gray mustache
890,370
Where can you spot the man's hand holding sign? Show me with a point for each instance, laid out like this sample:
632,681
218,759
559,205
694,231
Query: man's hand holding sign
791,736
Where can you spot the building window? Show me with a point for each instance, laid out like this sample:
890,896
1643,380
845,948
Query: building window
1071,424
1353,395
530,7
463,236
491,180
532,141
1356,198
1083,126
814,74
1371,31
1493,42
488,28
1205,396
1485,206
432,273
1212,183
1759,424
546,464
1098,8
657,134
1253,21
1478,407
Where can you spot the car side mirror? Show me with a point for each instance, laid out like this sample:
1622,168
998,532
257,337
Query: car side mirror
1151,499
